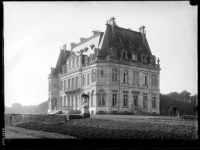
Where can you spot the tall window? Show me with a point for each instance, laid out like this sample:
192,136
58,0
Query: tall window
61,85
93,75
92,94
76,82
135,77
101,98
114,75
153,102
73,63
88,79
64,84
77,60
69,64
145,101
153,80
61,102
135,98
68,84
145,79
114,99
125,76
125,98
83,80
72,83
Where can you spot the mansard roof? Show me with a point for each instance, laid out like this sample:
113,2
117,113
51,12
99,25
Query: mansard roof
120,38
61,61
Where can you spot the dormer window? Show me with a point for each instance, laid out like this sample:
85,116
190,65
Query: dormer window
129,42
120,40
81,51
124,55
92,46
86,49
143,58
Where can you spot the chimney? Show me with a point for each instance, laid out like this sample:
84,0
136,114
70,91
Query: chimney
82,39
142,31
112,21
52,69
72,45
64,46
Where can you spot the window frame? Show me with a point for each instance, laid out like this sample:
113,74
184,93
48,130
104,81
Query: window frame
125,99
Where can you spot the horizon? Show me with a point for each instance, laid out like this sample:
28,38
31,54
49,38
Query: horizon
35,31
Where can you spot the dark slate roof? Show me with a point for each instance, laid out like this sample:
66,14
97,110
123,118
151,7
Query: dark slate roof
126,35
61,61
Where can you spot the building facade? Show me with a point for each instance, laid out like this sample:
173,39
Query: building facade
116,69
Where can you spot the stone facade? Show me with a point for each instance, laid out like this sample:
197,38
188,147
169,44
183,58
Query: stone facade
115,69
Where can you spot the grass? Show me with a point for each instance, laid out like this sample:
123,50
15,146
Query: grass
121,127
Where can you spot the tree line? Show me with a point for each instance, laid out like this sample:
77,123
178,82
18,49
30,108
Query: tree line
170,104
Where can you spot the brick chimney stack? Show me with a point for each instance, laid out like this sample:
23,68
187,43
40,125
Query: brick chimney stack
72,45
64,46
142,31
113,24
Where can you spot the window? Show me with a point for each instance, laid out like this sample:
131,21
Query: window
153,102
54,86
61,85
135,77
64,84
69,64
134,56
114,99
68,84
145,79
114,75
145,101
101,98
77,64
92,103
67,67
135,100
125,76
83,80
153,80
76,82
125,100
72,83
102,73
124,55
61,102
88,79
64,100
73,63
93,75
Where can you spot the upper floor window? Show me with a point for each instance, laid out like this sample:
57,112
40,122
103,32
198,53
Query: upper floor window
72,83
69,84
64,84
61,85
125,76
77,61
83,80
76,82
102,73
145,79
93,75
153,80
49,86
88,78
73,63
135,77
101,98
153,102
114,75
69,64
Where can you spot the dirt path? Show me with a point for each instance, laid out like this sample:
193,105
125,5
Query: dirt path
12,132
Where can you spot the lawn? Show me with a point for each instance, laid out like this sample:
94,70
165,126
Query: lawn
122,127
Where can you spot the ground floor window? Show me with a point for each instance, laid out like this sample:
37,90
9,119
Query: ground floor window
114,99
125,100
153,102
101,98
135,100
145,101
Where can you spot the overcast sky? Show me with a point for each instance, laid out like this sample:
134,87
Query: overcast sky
35,31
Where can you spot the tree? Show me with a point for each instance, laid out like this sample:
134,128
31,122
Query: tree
17,108
174,109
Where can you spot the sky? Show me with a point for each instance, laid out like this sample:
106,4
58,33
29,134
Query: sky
35,31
